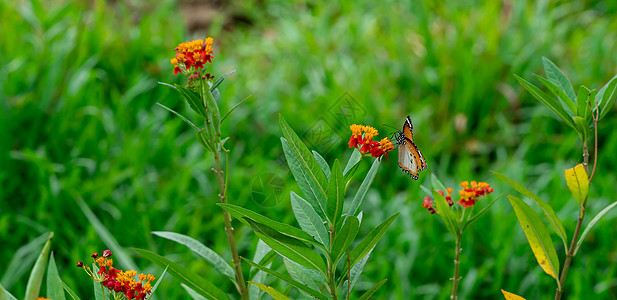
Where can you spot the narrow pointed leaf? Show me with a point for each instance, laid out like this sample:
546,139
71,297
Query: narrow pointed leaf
287,279
556,76
355,158
335,194
559,93
606,96
548,101
192,293
276,295
306,184
592,224
179,115
23,260
510,296
537,236
304,157
436,183
54,283
200,249
99,292
297,273
578,183
363,189
242,214
372,291
322,164
262,254
309,220
549,213
220,80
481,213
5,295
200,285
445,213
367,244
158,281
213,108
289,247
344,237
70,291
36,275
355,273
193,100
582,108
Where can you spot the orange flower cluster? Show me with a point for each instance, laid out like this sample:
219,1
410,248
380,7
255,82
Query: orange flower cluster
362,139
121,283
193,55
428,201
471,193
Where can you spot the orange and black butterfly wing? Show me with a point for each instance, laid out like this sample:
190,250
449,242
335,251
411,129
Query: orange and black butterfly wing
408,128
407,160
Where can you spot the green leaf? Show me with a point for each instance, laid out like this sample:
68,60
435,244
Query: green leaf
578,183
200,285
220,79
242,214
355,273
54,283
344,237
309,220
193,100
5,295
548,101
262,254
304,157
70,291
537,236
549,213
322,164
556,76
510,296
158,281
306,184
287,279
300,274
192,293
445,213
582,108
179,115
263,260
99,292
23,259
606,96
436,183
119,253
271,291
592,224
572,108
213,108
363,189
336,194
355,158
372,291
289,247
480,213
367,244
36,275
200,249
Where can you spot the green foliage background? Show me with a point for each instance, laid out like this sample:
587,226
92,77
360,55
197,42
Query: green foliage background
78,119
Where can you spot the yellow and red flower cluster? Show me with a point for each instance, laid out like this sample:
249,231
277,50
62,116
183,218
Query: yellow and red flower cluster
193,54
362,139
122,283
470,194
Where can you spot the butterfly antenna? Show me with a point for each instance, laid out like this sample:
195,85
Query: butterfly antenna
390,126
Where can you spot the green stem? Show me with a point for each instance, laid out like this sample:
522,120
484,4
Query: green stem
229,230
332,267
570,255
456,278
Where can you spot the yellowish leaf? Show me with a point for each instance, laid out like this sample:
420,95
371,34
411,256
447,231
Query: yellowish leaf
510,296
578,183
271,291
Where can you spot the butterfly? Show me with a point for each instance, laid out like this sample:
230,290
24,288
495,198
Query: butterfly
410,159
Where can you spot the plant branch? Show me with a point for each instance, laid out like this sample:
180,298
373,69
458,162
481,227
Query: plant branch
456,278
229,230
332,267
570,255
595,139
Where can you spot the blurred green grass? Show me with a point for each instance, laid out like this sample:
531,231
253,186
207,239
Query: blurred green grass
78,89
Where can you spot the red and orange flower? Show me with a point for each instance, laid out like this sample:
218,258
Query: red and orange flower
191,56
362,139
122,283
470,194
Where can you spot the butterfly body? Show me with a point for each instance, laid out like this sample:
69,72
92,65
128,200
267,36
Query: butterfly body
410,159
